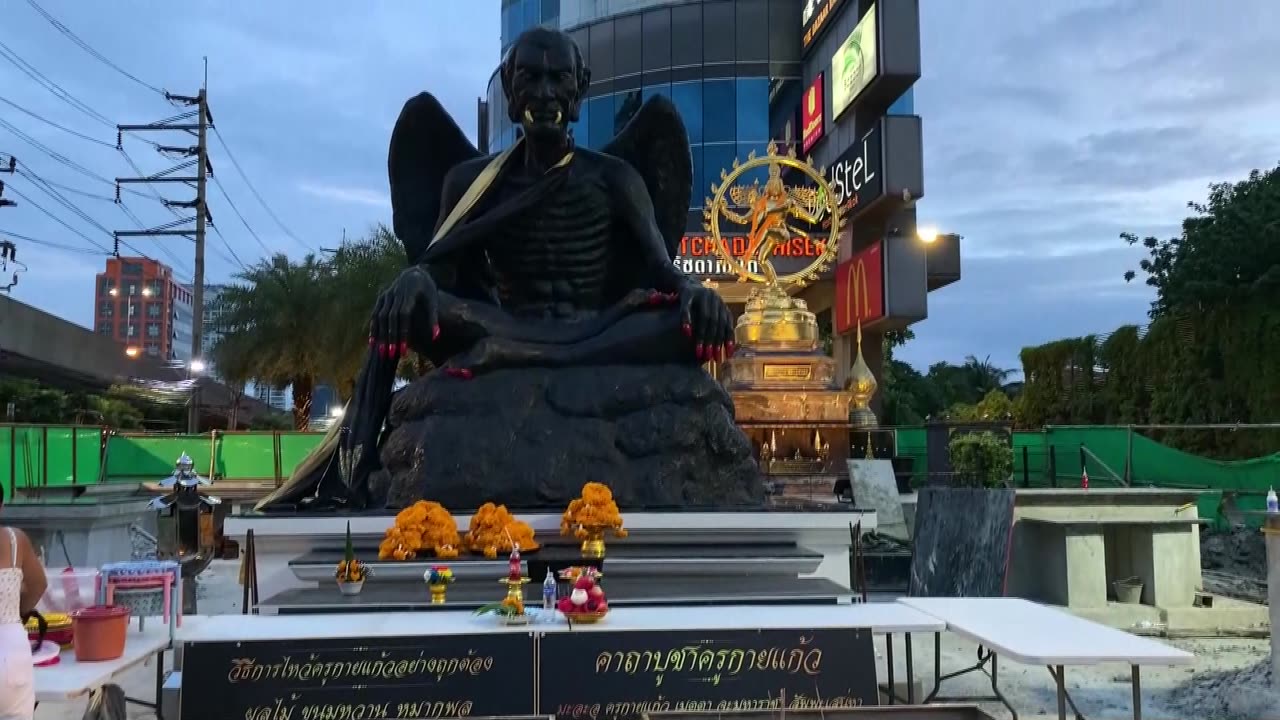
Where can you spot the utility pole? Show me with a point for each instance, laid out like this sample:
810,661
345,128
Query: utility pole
204,168
8,250
10,167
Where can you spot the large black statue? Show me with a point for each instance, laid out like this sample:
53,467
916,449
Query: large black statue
541,284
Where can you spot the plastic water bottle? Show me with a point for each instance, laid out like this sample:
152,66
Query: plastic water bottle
549,592
1273,505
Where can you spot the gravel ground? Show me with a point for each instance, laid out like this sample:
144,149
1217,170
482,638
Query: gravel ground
1227,682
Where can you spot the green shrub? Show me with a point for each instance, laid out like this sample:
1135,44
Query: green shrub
981,459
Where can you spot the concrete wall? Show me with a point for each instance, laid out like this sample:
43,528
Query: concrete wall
38,338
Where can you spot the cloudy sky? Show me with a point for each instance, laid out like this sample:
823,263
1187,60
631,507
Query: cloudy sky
1049,129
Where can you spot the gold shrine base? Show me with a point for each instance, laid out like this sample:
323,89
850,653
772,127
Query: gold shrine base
791,406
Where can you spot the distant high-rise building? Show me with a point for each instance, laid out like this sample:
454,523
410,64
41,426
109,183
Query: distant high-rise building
215,309
140,305
276,397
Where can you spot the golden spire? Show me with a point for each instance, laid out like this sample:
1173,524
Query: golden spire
862,383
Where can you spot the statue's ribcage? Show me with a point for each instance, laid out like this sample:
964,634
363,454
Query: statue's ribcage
554,262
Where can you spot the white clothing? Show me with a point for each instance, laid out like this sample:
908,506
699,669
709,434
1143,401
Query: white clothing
17,674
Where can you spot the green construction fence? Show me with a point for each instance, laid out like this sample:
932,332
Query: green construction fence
63,456
39,456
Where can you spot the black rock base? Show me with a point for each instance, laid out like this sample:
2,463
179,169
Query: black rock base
660,437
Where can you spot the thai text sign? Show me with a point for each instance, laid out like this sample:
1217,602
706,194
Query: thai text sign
446,676
855,64
811,110
814,17
601,675
860,289
697,255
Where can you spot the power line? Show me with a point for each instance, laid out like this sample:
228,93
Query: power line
8,54
61,222
51,123
255,192
87,48
54,245
59,157
236,210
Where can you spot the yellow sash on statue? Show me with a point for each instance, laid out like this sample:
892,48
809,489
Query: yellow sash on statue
481,185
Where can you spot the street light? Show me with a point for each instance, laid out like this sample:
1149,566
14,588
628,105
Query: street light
927,234
335,411
131,351
197,366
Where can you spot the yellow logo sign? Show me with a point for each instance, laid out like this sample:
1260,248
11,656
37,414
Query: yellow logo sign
857,280
813,99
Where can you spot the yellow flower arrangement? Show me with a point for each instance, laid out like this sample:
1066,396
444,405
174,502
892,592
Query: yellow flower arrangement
422,527
494,529
594,511
351,571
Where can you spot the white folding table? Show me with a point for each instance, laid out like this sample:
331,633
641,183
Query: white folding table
1035,634
70,679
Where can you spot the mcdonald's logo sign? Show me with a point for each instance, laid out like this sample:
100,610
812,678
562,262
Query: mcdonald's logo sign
860,289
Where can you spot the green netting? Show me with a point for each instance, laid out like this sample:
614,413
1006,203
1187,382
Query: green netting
148,458
35,456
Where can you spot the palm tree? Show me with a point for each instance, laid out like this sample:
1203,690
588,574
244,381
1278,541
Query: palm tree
275,324
362,269
983,377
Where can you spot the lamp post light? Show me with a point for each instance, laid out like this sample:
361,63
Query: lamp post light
195,368
928,234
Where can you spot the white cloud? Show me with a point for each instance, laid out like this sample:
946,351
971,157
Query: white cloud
353,195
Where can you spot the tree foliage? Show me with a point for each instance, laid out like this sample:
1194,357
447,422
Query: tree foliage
1208,356
305,322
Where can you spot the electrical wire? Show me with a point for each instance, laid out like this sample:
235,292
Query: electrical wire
60,158
53,245
51,123
87,48
255,192
8,54
227,245
59,220
236,210
62,200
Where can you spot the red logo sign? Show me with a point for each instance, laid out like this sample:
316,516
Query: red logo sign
811,111
860,289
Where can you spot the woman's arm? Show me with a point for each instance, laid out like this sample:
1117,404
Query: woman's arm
34,581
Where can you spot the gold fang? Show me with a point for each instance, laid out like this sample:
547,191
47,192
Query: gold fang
528,116
558,117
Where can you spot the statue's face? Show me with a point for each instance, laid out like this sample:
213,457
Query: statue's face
543,93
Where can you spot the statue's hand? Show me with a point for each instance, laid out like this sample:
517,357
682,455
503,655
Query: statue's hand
403,313
707,321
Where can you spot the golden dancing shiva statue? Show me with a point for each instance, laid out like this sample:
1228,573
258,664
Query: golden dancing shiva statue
772,318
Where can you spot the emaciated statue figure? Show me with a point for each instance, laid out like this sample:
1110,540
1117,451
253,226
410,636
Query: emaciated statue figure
541,286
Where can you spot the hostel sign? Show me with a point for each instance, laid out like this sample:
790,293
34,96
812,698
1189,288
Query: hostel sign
860,289
857,176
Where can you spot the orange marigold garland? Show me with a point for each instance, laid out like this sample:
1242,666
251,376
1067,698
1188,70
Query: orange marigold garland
493,529
424,526
595,510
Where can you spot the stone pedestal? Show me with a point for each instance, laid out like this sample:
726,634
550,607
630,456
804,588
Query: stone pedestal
875,488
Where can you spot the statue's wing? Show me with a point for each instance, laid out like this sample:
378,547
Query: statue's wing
425,144
656,144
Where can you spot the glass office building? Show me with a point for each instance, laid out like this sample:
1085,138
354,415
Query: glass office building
724,63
